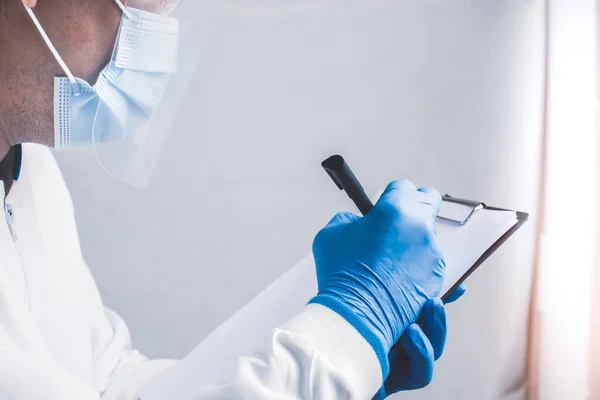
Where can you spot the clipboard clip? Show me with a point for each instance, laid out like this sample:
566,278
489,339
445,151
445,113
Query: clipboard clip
458,211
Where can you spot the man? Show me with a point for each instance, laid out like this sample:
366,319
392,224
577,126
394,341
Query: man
374,328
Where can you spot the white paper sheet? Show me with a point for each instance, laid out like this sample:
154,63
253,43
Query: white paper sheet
463,245
215,358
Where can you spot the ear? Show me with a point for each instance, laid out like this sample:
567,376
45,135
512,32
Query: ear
29,3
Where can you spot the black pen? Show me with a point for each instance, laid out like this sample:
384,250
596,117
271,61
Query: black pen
339,170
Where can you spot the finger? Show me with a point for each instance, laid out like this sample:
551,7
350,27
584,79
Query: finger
343,218
377,196
456,293
395,189
29,3
420,355
434,325
432,197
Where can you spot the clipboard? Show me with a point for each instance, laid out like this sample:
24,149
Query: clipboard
209,362
471,209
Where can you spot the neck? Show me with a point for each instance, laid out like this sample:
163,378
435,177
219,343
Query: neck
4,145
7,130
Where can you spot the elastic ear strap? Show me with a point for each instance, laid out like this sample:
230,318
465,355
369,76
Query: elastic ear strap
123,8
50,45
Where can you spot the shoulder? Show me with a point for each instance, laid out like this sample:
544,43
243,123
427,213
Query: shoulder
42,181
38,160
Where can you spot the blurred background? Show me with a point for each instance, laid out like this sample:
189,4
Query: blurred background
467,96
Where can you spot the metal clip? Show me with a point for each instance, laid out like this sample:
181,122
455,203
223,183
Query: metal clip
456,214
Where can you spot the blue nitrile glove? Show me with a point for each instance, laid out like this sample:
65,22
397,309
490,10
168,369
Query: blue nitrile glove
378,271
412,358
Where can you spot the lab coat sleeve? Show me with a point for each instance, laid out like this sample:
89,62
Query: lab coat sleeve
26,374
119,370
316,355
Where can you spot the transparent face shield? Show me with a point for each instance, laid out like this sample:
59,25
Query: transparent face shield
159,46
129,111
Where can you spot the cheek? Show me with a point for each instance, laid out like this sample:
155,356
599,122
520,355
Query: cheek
91,51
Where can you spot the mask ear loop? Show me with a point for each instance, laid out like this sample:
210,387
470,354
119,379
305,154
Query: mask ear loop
54,51
124,9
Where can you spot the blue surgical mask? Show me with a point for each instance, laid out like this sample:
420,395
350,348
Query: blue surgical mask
128,89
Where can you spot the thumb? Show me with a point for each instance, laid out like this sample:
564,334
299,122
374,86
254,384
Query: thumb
420,355
434,325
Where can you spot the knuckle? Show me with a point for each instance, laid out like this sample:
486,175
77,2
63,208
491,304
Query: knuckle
340,216
435,246
426,233
316,244
389,211
430,191
401,184
436,252
320,239
425,228
428,236
325,235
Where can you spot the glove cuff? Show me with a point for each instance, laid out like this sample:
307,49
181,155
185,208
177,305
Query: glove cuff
368,333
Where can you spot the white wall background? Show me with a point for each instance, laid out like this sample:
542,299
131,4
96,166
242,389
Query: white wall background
448,94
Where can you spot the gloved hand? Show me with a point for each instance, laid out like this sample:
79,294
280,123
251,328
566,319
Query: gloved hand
412,358
378,271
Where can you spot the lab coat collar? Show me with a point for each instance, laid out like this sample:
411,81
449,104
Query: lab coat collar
18,162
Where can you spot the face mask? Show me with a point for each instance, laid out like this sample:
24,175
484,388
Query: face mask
128,89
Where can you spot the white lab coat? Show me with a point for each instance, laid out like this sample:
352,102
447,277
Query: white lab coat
58,341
